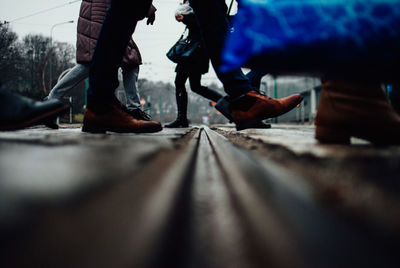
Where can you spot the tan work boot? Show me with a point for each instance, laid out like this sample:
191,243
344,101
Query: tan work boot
116,119
352,109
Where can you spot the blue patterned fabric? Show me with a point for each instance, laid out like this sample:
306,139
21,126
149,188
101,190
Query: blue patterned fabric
312,36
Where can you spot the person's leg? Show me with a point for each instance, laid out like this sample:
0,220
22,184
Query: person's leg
181,102
255,77
69,81
104,112
130,80
243,106
115,34
195,86
353,108
17,112
214,24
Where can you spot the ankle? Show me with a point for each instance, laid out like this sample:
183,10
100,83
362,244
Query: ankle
243,103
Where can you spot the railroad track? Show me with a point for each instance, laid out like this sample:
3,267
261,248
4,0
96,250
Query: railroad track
216,205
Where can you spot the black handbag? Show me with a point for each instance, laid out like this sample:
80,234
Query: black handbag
183,50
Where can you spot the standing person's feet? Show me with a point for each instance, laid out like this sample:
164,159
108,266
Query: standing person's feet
254,107
178,123
139,114
17,112
112,116
353,109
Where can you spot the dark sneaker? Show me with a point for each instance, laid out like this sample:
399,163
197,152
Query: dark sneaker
139,114
51,124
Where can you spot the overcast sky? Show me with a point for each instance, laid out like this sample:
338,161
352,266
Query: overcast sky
153,41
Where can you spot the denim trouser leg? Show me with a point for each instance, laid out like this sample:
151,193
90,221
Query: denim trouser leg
69,81
211,15
116,31
130,79
255,77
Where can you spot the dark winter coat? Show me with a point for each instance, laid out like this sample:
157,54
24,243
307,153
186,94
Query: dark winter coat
91,17
199,63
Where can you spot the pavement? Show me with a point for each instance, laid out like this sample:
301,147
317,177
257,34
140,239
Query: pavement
196,197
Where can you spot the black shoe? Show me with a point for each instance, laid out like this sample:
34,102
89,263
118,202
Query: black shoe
17,112
139,114
178,123
51,124
258,124
224,107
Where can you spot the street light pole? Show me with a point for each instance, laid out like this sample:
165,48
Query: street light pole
51,49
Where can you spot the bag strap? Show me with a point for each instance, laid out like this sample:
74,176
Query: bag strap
230,8
183,34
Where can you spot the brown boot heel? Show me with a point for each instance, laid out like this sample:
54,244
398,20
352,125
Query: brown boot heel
331,135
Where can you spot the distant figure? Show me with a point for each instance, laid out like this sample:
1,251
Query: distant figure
192,70
92,14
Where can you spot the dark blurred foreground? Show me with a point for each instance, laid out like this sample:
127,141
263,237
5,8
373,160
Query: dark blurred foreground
196,197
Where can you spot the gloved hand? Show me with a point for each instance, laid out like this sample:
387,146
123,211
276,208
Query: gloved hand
151,15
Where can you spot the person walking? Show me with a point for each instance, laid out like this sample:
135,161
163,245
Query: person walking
91,17
104,112
193,69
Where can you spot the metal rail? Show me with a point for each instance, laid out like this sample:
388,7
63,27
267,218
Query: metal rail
216,206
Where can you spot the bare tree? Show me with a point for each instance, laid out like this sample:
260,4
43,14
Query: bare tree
10,56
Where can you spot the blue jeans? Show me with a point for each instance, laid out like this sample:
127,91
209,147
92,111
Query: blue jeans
118,27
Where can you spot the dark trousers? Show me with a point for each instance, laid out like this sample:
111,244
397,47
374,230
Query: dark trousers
116,31
195,86
395,97
118,27
214,25
255,77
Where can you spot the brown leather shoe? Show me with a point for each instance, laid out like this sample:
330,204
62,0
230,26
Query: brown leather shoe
255,107
115,119
350,109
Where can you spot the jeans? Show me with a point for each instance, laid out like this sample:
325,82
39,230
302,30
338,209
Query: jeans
118,27
81,71
255,77
130,79
214,25
76,75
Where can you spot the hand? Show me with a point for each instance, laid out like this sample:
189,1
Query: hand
151,19
151,15
179,17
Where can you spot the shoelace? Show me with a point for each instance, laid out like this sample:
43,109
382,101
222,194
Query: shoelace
144,114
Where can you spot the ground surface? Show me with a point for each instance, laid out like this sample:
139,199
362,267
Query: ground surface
196,197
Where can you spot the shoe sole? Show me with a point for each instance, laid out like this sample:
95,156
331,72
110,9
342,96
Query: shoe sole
252,124
39,120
